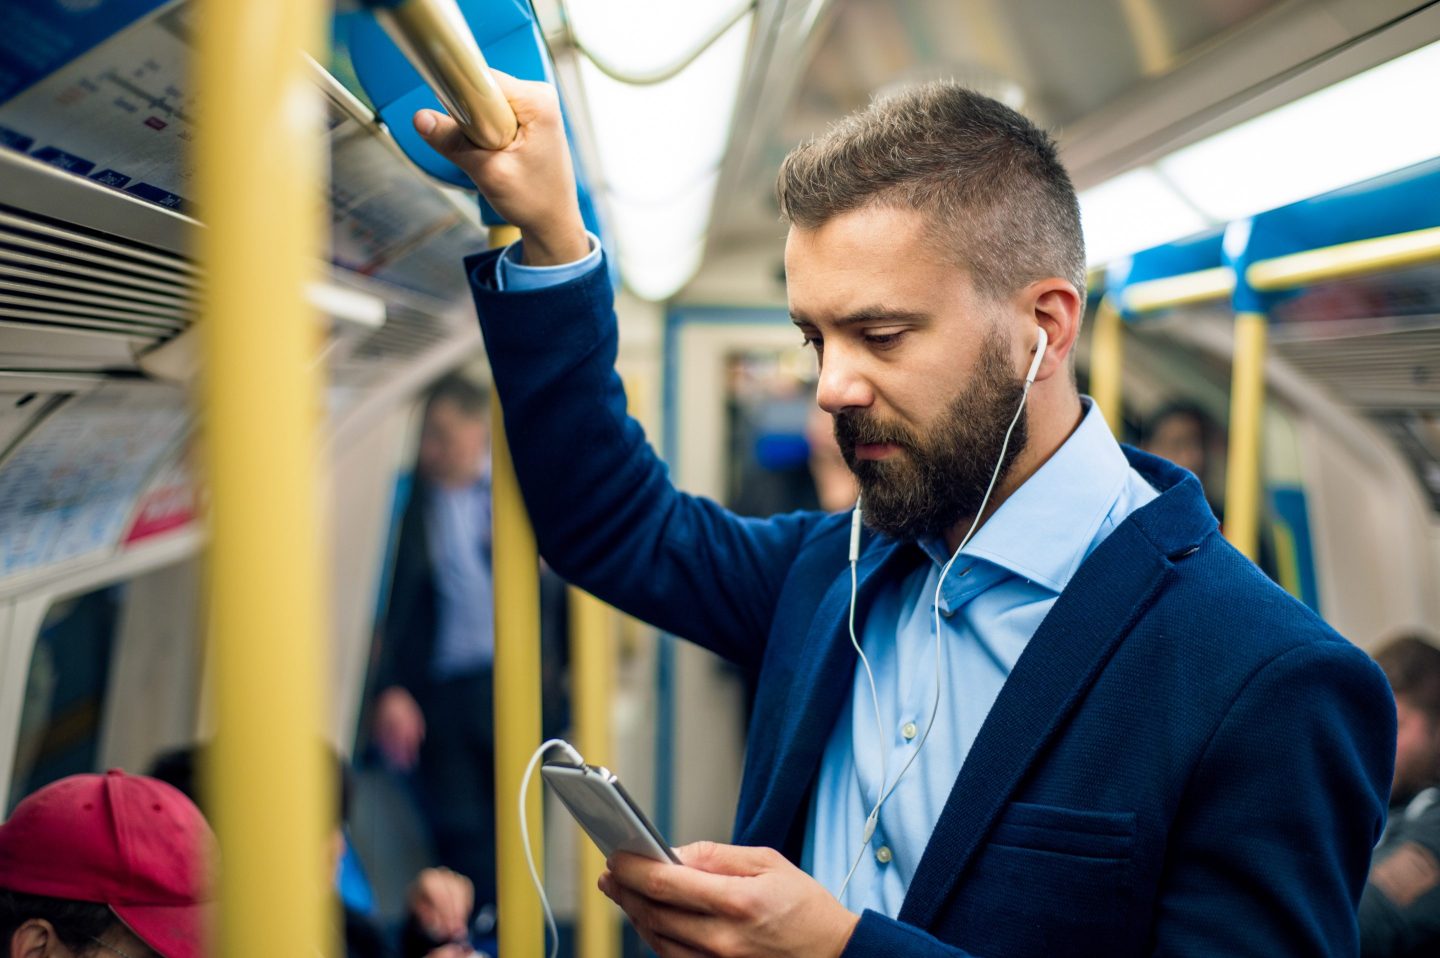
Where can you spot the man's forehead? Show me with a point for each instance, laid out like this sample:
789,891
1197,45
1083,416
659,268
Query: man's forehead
874,287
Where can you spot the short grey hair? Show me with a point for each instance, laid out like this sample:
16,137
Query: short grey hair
992,182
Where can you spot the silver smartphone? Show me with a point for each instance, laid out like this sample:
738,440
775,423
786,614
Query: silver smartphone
606,811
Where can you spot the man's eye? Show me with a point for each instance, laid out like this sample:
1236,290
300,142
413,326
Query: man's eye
883,340
812,341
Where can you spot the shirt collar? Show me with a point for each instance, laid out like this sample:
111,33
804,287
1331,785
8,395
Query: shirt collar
1048,526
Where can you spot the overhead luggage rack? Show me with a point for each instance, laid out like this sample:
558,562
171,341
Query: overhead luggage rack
92,277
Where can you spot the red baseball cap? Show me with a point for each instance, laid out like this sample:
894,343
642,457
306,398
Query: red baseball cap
130,842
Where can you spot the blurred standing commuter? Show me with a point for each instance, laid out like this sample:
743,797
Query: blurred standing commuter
1184,433
1400,908
433,713
109,864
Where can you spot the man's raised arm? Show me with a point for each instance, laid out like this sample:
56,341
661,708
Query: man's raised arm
605,513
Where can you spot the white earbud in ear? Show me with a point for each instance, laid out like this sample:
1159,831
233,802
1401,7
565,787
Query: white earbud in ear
855,531
1040,344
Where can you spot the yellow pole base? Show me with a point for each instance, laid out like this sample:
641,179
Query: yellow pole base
592,666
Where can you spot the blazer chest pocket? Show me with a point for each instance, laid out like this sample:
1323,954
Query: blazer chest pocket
1051,881
1066,831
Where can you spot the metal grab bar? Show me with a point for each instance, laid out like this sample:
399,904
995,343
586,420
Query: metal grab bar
438,42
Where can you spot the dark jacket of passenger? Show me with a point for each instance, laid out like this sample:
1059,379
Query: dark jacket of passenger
1400,910
406,644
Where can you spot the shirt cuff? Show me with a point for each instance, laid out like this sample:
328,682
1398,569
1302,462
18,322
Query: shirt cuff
513,276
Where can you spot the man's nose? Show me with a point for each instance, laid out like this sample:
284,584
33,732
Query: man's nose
842,385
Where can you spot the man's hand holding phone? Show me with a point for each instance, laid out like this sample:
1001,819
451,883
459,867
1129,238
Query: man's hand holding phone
728,900
530,182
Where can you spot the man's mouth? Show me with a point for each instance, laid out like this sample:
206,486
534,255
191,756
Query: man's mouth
875,450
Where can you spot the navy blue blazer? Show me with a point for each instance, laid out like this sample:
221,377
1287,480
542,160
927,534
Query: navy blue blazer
1184,761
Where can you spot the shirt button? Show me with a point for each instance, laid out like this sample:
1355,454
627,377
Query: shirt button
882,855
908,730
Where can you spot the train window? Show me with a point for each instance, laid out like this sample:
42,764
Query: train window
65,691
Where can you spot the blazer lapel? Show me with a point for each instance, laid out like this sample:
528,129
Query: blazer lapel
1068,651
824,672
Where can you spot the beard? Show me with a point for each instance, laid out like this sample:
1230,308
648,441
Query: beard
939,477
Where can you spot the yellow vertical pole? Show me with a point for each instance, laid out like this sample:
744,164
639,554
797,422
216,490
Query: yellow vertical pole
517,689
592,666
1107,360
1247,410
259,171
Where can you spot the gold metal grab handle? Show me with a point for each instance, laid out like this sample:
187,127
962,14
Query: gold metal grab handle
437,41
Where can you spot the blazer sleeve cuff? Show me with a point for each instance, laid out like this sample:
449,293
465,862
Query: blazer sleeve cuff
877,936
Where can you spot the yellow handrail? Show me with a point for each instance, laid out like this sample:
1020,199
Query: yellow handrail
1247,411
1170,291
437,41
1107,361
592,666
259,175
1346,259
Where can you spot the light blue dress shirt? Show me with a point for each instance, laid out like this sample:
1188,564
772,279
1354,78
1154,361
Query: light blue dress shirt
997,592
513,275
994,599
457,532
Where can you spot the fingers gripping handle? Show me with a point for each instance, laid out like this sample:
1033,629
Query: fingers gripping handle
438,42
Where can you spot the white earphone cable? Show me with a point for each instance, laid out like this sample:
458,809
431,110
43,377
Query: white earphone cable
888,789
874,815
535,760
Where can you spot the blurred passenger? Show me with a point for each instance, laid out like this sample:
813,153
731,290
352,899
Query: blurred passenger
1400,909
1124,703
109,864
1184,433
433,713
439,900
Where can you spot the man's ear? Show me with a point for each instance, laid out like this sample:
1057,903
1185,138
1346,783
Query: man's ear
1054,305
36,939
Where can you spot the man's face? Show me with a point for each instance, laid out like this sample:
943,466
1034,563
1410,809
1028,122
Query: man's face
919,369
1417,751
452,445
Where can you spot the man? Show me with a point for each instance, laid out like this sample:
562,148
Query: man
1400,909
433,712
109,864
1121,699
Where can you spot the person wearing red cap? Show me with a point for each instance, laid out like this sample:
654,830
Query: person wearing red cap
99,865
